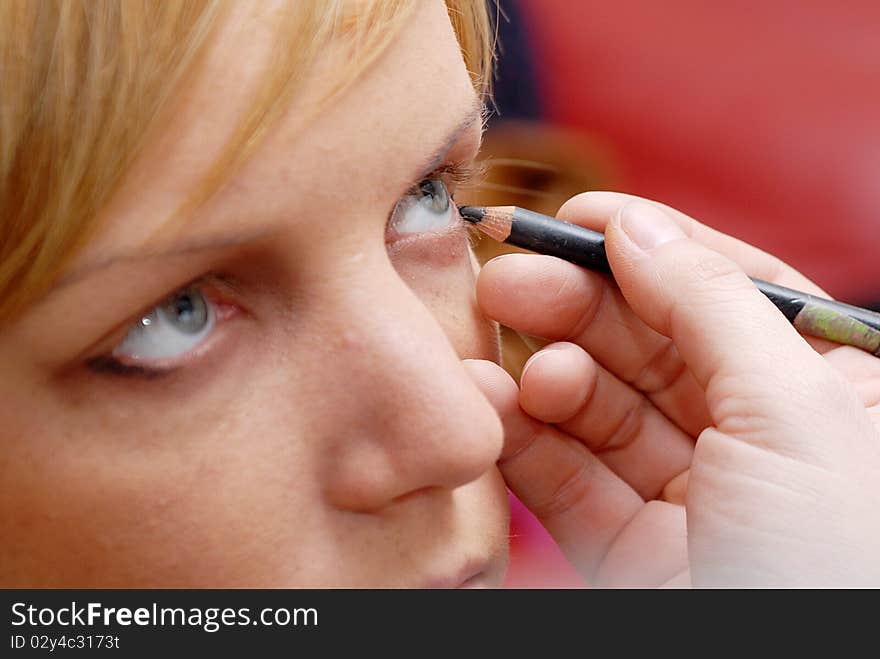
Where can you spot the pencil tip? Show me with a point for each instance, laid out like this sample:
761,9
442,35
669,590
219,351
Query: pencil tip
472,213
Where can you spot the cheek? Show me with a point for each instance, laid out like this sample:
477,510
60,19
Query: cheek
447,288
155,499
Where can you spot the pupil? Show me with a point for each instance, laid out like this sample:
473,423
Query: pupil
436,190
187,311
184,305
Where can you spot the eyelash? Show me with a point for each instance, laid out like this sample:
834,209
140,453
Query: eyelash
217,289
111,365
454,175
457,175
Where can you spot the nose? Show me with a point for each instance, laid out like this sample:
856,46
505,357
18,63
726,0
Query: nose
407,416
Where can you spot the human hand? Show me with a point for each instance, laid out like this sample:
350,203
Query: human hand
684,386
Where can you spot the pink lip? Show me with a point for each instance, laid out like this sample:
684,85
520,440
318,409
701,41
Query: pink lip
473,575
479,580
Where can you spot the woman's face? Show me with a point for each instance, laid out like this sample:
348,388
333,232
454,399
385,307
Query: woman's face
298,415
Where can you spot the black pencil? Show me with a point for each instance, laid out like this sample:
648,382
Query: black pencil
836,321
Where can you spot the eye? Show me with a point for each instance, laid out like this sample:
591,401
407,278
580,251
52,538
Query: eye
171,329
427,207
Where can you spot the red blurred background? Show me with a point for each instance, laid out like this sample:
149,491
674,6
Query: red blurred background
756,117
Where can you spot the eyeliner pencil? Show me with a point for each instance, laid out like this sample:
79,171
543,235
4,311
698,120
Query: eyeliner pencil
827,319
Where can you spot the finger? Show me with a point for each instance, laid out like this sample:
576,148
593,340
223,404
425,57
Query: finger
680,580
562,384
579,500
545,296
758,373
863,372
595,209
859,368
650,551
676,489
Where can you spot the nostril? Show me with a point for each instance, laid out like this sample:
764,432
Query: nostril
425,448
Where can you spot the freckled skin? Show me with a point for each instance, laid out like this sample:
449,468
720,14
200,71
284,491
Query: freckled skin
330,436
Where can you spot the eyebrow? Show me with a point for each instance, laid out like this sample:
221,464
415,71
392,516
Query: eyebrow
477,112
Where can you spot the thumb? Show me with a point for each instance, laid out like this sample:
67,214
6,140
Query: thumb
753,365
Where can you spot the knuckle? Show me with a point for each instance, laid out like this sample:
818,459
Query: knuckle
575,205
572,490
662,370
592,304
694,283
566,284
519,440
775,267
717,271
627,429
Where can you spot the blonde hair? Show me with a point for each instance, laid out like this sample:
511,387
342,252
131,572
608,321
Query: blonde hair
85,81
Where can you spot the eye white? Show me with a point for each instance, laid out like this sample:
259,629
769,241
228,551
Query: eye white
171,329
428,208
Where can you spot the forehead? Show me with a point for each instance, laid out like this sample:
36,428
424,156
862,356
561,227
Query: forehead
345,153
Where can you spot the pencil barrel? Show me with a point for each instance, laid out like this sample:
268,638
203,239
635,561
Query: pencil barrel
546,235
836,321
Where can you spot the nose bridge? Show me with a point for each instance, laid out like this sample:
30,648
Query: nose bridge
409,418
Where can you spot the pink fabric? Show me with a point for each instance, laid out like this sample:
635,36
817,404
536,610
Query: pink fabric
535,560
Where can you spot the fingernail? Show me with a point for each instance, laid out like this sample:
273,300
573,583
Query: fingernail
546,350
501,257
648,226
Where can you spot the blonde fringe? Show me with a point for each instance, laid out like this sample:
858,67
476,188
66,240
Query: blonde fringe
84,82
